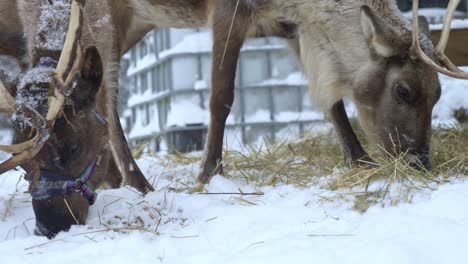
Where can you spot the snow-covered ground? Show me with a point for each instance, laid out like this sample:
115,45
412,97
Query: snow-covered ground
286,224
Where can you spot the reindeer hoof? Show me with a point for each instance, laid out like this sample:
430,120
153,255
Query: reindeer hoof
362,160
138,181
208,171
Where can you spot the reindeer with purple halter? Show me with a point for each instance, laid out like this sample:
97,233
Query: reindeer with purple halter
62,114
361,49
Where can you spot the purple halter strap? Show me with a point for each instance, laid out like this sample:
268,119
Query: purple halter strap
53,185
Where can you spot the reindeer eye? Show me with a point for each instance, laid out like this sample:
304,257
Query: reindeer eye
405,94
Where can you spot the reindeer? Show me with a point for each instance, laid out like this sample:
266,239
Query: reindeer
362,49
14,44
71,144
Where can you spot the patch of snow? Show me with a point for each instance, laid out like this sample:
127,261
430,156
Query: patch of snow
261,115
456,24
434,15
200,85
140,129
143,131
123,123
193,43
127,113
284,225
53,23
9,69
30,90
185,112
295,78
454,96
299,116
146,97
6,137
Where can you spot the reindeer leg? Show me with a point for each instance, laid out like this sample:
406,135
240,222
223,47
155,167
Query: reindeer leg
352,150
222,83
127,165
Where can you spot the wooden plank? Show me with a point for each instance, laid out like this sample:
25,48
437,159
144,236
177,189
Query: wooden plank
457,48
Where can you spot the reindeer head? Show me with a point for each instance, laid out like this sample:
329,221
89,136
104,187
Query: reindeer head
76,149
396,94
65,139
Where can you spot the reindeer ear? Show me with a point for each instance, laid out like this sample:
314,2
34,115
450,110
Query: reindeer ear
375,31
424,26
90,79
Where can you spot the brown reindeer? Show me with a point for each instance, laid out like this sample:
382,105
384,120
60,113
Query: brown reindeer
361,49
70,127
14,43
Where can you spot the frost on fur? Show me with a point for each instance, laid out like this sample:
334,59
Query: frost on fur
53,24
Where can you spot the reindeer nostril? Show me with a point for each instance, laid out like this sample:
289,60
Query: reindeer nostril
41,230
421,160
75,147
425,160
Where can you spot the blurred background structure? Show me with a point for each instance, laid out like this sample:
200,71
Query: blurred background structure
434,10
170,73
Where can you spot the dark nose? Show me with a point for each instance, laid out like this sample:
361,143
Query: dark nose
52,215
42,230
423,159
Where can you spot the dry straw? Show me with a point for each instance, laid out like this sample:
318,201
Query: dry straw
317,161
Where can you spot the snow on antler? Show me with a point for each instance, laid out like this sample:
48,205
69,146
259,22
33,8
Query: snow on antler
32,86
53,24
52,28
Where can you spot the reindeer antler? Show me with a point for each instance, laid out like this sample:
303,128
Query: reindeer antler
448,67
29,149
69,64
7,106
7,102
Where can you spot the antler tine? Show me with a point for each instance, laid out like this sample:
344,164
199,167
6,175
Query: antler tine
450,68
7,102
17,160
18,148
7,106
29,149
70,59
452,7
